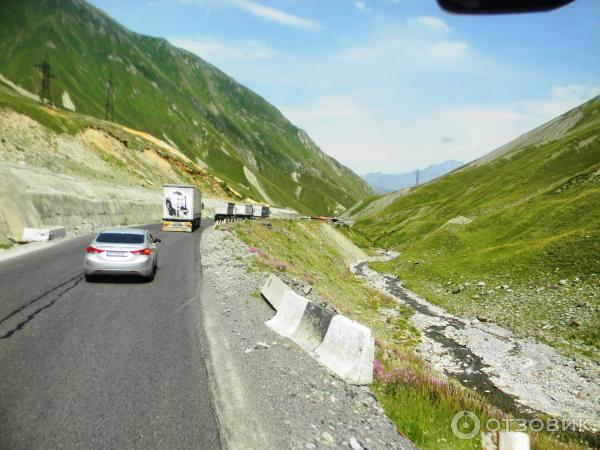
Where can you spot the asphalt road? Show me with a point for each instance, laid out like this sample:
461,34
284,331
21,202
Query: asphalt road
113,364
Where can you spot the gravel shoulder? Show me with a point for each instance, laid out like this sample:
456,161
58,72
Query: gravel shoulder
268,393
535,375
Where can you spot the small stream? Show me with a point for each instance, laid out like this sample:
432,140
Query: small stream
473,373
472,376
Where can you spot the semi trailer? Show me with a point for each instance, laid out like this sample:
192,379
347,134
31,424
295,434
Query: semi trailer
182,207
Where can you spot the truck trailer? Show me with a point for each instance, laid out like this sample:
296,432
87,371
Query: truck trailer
224,211
261,212
182,207
243,211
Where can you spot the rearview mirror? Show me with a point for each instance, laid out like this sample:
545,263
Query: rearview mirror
500,6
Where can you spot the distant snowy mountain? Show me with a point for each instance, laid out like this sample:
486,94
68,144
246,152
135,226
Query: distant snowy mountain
387,182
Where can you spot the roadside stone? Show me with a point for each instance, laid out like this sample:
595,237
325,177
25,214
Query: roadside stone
388,312
482,318
563,282
458,289
355,445
261,345
306,389
327,438
307,289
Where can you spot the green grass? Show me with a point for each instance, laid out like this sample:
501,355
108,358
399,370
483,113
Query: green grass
303,250
360,206
533,222
420,404
172,93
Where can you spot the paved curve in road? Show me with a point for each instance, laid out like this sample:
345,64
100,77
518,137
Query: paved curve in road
112,364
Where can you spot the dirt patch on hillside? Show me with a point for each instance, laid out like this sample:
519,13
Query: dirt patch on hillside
27,142
104,142
159,143
158,161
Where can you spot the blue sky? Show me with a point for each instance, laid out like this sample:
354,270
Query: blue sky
390,85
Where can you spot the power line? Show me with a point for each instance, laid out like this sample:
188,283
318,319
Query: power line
109,113
46,69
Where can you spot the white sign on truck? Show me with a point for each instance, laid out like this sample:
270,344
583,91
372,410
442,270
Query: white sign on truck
182,206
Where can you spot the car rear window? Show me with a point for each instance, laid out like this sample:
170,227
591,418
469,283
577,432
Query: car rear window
120,238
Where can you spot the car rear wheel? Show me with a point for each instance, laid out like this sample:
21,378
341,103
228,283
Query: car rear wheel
153,274
89,278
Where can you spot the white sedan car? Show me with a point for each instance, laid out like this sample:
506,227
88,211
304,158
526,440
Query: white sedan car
122,251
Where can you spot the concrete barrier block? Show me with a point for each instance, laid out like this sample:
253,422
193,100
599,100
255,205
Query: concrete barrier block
273,291
289,314
348,351
42,234
313,327
505,440
513,440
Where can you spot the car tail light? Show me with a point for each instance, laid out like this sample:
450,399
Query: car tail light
143,251
93,250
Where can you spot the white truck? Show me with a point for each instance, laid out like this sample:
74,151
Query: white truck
182,207
261,212
243,211
224,210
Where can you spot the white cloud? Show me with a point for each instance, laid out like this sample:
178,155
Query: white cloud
326,107
562,99
368,140
274,15
359,54
448,50
362,6
258,10
433,23
408,48
216,50
575,91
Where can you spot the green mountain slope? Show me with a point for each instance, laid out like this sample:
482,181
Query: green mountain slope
175,96
526,218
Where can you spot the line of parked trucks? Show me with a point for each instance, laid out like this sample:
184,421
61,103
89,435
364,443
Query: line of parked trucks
240,211
182,208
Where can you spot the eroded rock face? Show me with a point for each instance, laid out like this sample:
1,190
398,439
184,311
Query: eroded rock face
34,197
86,181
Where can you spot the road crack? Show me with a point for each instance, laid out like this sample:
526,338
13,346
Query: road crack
70,284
